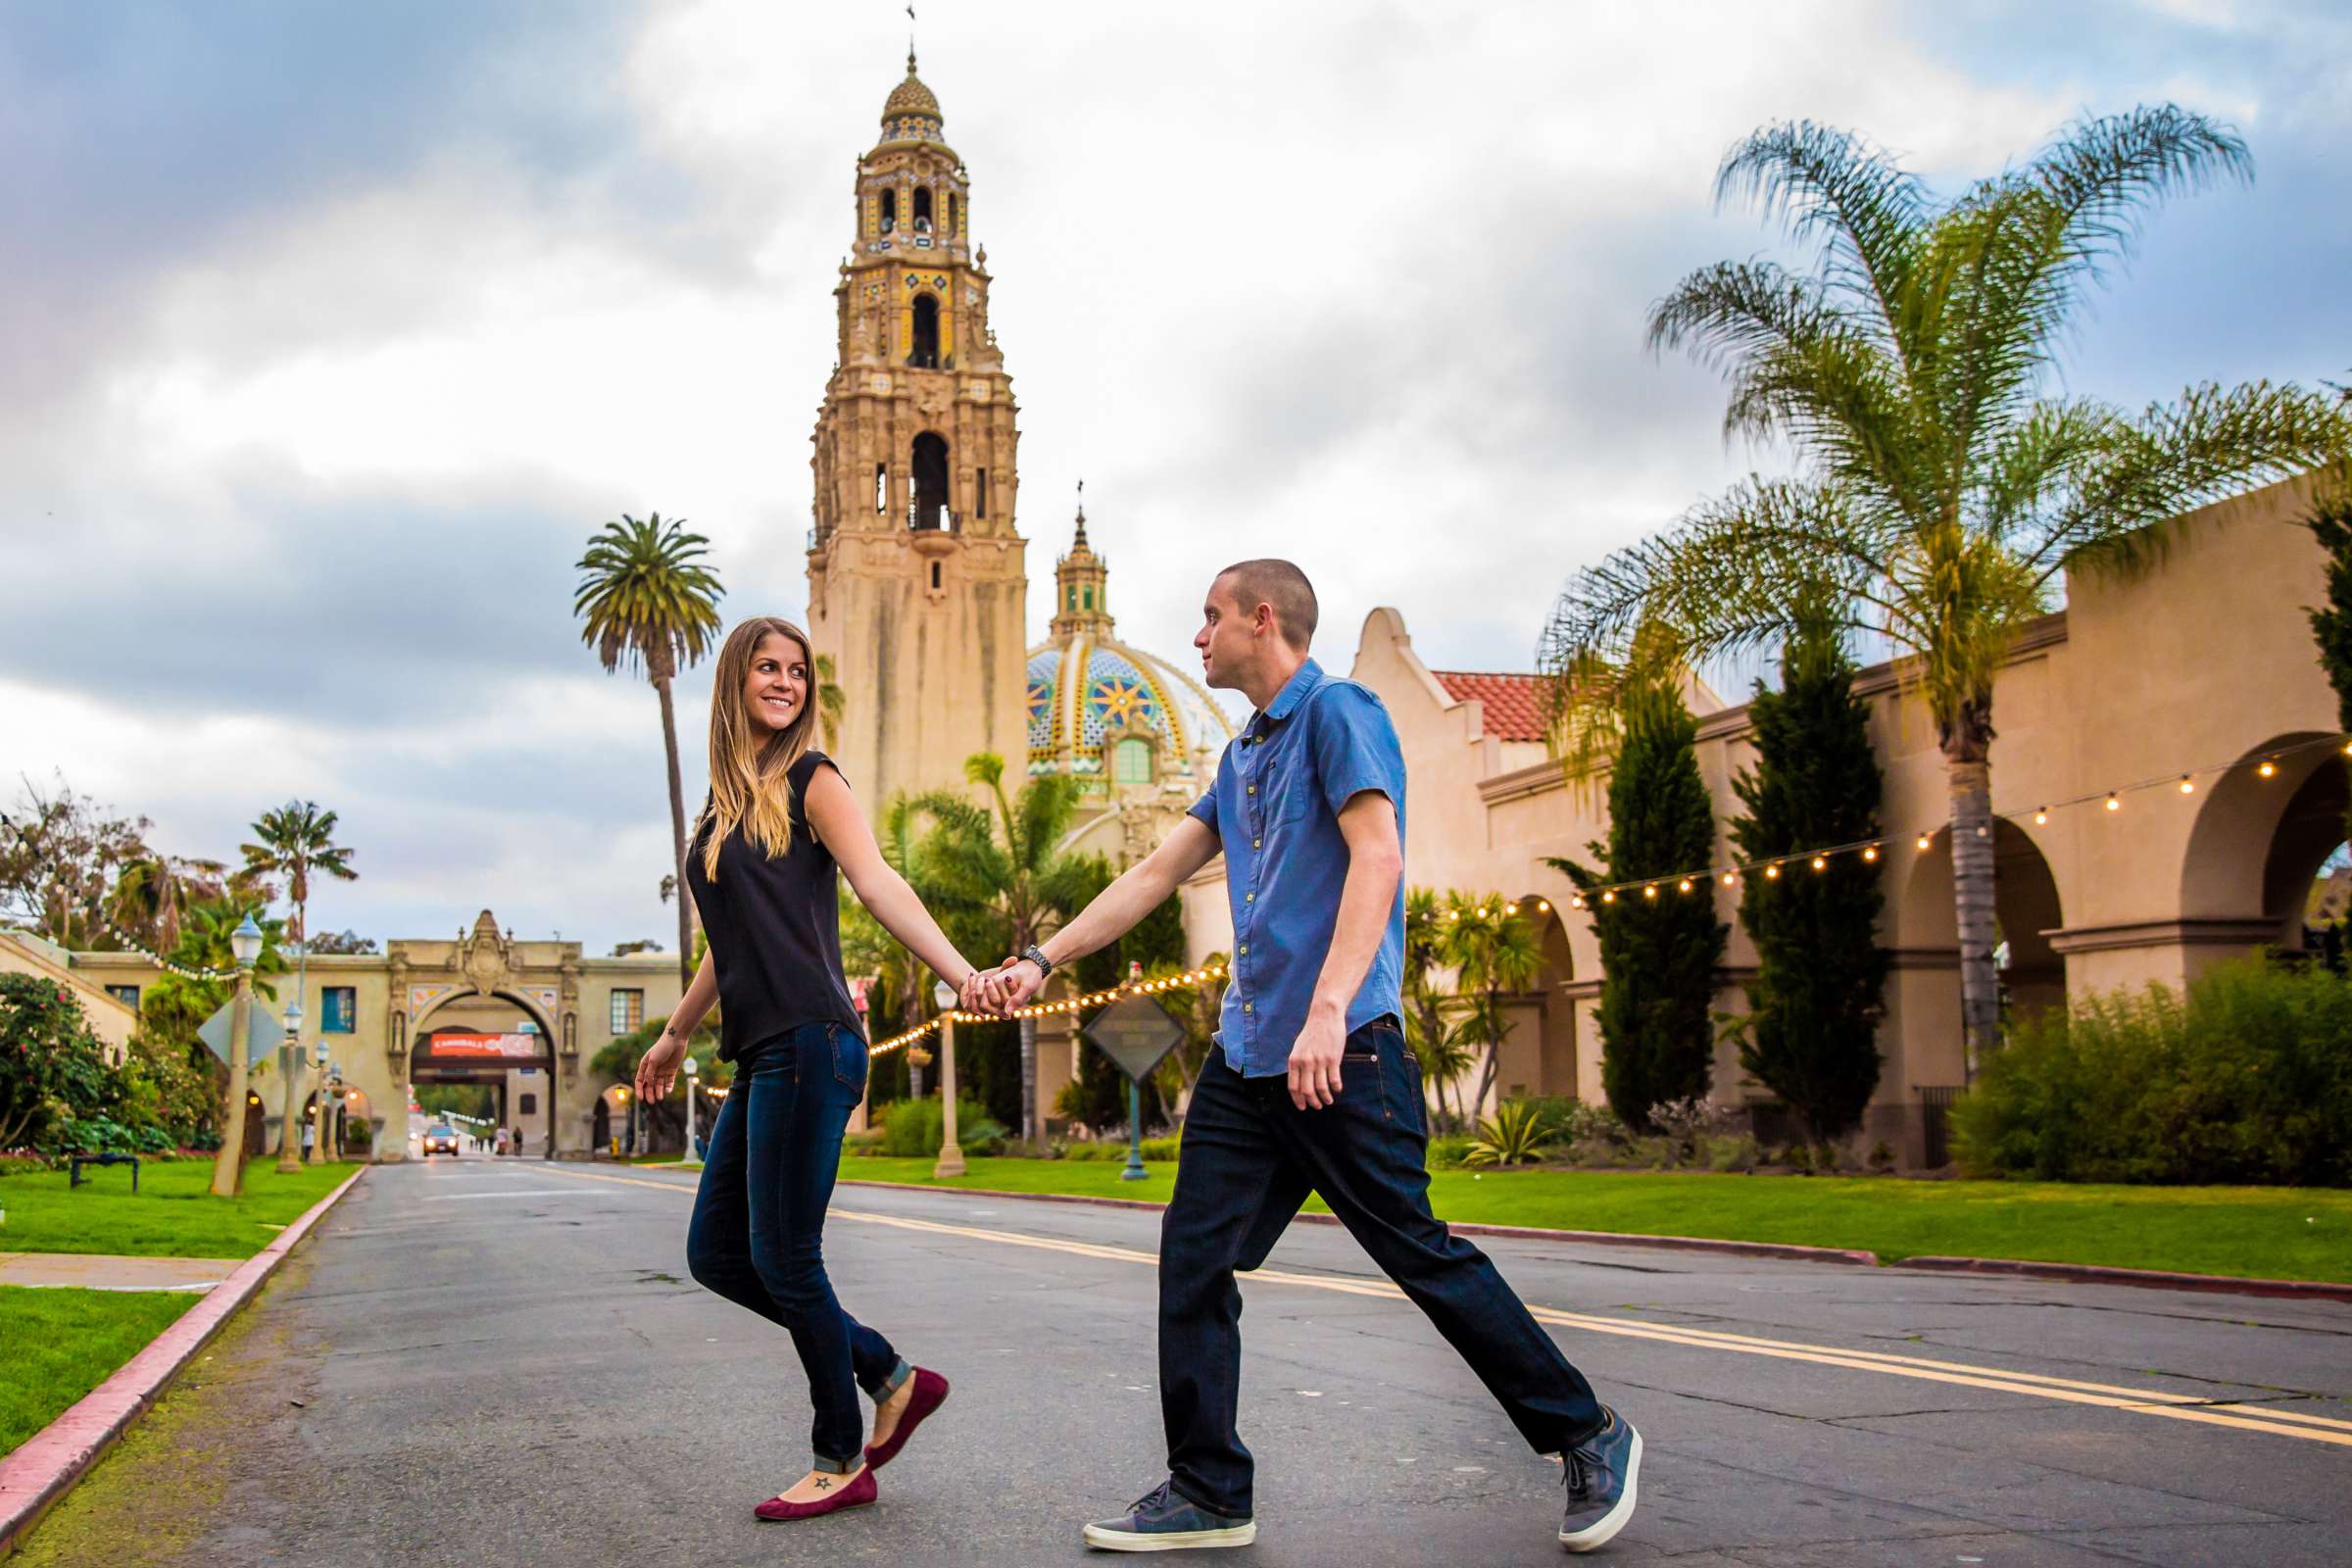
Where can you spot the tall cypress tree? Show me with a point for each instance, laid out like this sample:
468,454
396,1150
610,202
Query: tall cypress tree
2331,624
1658,951
1811,1034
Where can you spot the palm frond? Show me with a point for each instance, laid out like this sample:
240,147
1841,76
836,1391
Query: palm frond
643,600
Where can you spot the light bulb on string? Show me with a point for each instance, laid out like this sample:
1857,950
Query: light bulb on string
1870,852
1922,840
2269,768
1609,897
1651,891
2042,815
1683,886
2113,804
1772,872
1820,862
2188,786
1729,877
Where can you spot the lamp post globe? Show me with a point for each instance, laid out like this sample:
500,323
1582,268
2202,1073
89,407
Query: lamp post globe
245,942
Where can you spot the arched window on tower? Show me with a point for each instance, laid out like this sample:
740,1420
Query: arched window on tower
925,355
1131,762
881,488
954,216
930,481
890,210
922,208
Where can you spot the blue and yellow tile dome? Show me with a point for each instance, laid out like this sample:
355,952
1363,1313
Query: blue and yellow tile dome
1089,692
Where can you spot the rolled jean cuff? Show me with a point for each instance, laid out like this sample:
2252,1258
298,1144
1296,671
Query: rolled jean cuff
837,1467
895,1382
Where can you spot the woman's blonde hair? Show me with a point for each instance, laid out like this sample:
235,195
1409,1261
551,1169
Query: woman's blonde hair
748,772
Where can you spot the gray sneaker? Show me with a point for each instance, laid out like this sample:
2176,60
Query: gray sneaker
1600,1473
1166,1520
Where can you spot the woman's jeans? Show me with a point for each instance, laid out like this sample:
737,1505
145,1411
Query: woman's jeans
758,1224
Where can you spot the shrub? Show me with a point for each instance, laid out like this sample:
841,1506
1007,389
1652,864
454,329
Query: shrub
1444,1153
53,1071
2245,1078
912,1129
1517,1135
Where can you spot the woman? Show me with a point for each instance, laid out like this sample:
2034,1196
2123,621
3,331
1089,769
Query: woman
779,825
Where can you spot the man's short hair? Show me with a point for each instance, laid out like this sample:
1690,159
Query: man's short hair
1281,584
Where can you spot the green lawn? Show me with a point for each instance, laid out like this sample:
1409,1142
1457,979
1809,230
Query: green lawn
64,1343
174,1216
2270,1232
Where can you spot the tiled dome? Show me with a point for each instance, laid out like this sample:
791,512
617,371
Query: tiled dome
1080,688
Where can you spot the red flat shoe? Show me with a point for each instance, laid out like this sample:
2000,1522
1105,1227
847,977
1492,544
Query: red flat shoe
860,1493
930,1393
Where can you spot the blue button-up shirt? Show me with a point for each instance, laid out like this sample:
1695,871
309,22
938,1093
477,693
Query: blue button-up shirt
1275,808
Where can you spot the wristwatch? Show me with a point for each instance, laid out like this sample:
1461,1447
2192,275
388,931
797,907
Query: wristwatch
1037,955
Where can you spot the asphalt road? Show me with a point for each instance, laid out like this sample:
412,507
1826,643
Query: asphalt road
502,1362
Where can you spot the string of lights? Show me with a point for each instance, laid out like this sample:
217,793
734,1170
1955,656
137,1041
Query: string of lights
1819,856
1185,981
158,959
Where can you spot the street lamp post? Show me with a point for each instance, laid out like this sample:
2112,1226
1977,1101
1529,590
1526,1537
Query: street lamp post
228,1167
694,1072
321,1066
289,1061
950,1152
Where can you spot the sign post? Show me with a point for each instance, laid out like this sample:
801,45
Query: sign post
1137,1036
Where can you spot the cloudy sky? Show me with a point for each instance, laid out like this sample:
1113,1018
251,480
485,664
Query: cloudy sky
331,331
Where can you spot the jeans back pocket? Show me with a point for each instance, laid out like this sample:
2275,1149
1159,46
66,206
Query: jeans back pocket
848,1056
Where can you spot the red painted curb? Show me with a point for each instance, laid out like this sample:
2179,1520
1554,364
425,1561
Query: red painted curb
1524,1233
2146,1278
45,1466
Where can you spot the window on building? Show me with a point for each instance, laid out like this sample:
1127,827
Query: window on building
881,488
1131,762
924,355
129,995
1090,599
979,486
922,208
890,210
628,1011
529,1106
954,214
340,1009
935,576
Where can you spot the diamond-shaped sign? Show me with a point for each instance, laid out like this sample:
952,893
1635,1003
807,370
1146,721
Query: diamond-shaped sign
1135,1034
264,1033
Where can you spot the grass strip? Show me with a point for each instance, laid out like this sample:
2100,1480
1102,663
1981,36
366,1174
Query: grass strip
64,1343
2286,1233
174,1214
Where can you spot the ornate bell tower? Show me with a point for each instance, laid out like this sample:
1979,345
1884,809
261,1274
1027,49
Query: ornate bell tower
916,580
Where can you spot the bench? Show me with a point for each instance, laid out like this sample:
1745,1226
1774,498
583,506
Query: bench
75,1163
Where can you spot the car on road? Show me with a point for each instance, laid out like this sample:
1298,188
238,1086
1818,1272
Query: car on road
441,1139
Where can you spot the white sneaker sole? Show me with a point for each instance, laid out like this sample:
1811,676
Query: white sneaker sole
1601,1530
1103,1539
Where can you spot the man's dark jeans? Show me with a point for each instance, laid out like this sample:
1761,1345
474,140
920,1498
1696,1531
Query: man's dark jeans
757,1232
1250,1159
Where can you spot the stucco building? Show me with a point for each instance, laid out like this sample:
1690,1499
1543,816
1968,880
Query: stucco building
2202,672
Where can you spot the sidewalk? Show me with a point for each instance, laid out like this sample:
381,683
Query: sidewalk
97,1271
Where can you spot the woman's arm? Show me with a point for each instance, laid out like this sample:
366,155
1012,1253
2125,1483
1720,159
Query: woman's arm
659,1066
833,817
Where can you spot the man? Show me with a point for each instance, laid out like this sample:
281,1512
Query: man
1311,1086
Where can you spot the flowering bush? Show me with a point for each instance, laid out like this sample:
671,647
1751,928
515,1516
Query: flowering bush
53,1071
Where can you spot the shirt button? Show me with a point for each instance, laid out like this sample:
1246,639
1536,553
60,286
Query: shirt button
1249,1006
1255,842
1244,949
1249,898
1254,789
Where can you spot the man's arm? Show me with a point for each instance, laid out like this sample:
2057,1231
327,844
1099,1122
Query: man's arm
1139,890
1375,863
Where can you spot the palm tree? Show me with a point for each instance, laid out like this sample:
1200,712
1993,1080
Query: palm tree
1944,481
1496,952
1431,1025
153,895
1015,890
297,843
644,603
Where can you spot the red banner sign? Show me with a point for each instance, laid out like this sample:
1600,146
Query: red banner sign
487,1048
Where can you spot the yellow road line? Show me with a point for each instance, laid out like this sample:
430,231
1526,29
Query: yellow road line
2068,1390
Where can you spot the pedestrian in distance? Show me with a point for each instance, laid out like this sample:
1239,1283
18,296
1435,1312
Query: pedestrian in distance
1311,1087
778,832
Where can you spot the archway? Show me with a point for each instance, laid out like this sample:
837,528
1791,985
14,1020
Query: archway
502,1046
1924,992
2267,831
930,481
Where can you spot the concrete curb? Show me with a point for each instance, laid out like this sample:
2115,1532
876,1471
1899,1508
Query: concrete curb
48,1463
2146,1278
1523,1232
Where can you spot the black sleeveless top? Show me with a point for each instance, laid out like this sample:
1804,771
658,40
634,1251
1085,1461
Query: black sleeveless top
774,926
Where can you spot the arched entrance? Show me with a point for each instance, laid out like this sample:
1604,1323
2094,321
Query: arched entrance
500,1044
2269,833
930,475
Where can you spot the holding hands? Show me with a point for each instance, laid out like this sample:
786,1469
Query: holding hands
996,992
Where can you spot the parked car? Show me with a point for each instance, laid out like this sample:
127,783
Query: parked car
442,1139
